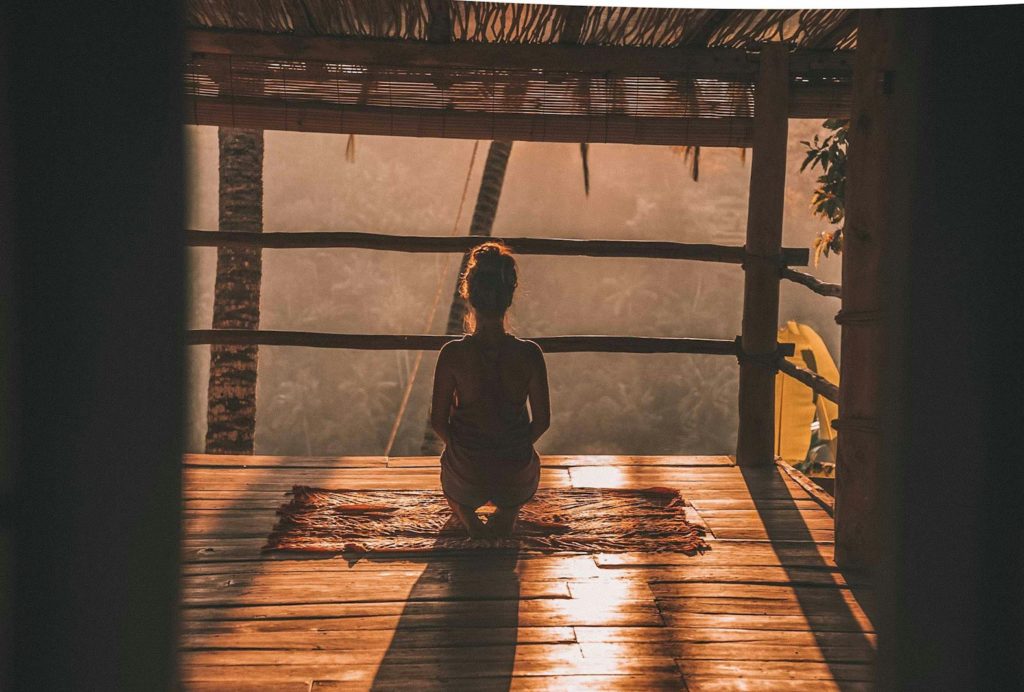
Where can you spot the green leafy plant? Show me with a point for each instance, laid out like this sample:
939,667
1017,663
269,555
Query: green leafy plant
829,199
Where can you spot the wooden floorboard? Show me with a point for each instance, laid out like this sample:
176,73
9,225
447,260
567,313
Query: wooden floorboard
765,609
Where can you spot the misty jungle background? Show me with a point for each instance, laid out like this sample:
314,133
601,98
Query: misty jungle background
336,402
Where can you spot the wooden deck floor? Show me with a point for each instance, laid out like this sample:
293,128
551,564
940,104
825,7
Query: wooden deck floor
764,609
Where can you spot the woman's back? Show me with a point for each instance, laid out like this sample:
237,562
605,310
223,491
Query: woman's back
489,452
492,370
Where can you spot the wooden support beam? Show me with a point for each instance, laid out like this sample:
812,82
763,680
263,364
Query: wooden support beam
556,57
654,249
432,342
755,441
945,506
864,242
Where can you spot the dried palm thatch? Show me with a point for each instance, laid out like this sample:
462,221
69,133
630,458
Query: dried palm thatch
503,22
585,520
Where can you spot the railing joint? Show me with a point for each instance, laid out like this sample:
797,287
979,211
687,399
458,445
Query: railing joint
772,261
769,359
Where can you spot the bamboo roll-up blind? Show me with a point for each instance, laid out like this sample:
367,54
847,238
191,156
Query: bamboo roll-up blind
532,105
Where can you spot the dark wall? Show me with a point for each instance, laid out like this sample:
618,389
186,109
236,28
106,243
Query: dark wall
954,458
90,226
93,303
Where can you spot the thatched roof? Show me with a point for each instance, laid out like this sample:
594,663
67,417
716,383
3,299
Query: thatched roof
498,22
504,70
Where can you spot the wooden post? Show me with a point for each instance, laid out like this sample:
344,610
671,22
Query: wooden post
864,241
946,482
755,442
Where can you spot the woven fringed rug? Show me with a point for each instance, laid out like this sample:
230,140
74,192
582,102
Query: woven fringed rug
588,520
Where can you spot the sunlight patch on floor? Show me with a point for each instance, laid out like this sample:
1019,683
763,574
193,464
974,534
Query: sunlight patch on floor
599,477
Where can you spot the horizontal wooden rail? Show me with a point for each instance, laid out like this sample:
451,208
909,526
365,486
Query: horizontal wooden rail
655,249
812,379
431,342
813,283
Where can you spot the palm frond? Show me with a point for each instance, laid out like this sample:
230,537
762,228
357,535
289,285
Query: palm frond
694,154
584,154
691,155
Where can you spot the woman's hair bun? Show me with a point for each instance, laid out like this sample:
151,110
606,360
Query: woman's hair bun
490,279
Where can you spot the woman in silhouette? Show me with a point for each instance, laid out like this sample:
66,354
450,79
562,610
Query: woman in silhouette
482,384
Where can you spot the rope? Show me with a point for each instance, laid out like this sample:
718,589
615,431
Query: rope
433,310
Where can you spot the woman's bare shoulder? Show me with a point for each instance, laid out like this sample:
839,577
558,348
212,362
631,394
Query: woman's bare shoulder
452,350
529,349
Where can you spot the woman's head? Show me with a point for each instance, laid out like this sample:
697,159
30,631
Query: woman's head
489,282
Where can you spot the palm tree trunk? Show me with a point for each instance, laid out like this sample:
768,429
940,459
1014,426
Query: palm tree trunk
483,221
231,396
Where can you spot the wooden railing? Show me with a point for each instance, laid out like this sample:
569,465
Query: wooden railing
525,246
653,249
813,283
812,379
432,342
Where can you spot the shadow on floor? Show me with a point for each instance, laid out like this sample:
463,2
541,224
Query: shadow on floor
456,603
824,606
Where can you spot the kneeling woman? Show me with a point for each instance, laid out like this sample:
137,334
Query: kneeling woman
481,387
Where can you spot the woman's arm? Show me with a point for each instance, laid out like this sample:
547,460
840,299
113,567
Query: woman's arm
540,402
444,391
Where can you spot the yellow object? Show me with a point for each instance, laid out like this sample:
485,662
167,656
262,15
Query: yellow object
795,404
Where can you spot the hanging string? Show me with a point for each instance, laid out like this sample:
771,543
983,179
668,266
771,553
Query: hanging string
433,310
